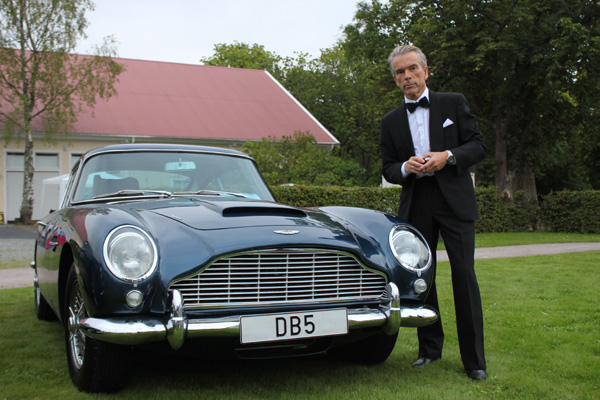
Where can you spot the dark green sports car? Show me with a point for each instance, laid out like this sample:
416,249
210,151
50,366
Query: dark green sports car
185,247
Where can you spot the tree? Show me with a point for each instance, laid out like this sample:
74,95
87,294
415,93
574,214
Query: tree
345,96
40,79
243,55
521,61
530,69
329,90
297,159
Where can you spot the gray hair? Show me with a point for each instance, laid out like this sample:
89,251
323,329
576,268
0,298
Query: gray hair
400,50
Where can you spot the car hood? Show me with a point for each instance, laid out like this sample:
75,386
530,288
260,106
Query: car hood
201,229
212,215
190,231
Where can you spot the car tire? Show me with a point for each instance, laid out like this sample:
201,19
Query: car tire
95,366
369,351
42,309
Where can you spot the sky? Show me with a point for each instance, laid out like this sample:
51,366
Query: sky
184,31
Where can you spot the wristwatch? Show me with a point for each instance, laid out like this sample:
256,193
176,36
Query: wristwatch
451,160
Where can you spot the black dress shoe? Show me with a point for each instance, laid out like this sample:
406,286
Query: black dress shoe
477,374
423,361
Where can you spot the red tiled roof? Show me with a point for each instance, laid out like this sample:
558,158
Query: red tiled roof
159,99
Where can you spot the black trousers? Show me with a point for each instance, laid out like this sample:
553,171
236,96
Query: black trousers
431,215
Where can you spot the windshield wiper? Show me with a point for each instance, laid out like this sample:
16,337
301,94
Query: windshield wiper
203,192
122,193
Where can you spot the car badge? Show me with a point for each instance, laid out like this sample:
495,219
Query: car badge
284,232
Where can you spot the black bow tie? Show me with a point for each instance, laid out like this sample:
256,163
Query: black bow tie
411,107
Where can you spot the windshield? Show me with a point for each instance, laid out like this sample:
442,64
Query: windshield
172,172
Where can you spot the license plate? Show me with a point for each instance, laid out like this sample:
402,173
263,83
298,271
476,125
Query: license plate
273,327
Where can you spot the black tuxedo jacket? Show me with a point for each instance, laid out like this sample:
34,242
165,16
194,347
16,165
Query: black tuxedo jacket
451,127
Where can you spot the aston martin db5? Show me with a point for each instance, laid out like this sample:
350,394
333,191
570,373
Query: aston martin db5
184,247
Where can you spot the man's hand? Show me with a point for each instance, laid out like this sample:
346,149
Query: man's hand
435,162
430,162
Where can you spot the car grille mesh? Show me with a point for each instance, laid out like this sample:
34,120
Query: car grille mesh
270,277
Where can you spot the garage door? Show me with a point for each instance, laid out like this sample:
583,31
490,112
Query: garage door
46,166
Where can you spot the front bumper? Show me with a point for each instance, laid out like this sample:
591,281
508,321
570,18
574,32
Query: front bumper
178,328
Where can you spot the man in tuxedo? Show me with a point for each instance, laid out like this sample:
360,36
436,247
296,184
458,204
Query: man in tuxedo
427,146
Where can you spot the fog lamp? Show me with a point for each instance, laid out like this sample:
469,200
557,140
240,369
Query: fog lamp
134,298
420,286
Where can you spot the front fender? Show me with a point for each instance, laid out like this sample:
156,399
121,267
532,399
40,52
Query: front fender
369,226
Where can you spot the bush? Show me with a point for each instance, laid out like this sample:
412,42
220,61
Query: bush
375,198
499,215
568,211
559,212
492,212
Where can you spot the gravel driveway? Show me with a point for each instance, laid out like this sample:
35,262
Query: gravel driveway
16,246
16,243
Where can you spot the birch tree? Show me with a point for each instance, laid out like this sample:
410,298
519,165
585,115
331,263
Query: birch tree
41,79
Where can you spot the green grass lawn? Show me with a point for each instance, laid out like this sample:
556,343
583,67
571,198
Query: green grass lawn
520,238
542,327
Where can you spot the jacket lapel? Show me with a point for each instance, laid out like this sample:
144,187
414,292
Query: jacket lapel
406,139
436,131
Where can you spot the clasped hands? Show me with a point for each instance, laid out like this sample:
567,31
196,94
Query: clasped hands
429,163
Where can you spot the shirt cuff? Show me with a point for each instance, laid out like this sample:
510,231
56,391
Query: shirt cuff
404,173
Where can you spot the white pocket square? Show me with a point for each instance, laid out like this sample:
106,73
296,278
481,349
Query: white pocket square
447,122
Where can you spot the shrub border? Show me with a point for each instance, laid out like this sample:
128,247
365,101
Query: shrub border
565,211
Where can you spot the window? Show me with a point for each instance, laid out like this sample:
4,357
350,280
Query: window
179,173
46,161
15,161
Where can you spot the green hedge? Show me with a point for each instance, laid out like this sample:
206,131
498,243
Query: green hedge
314,196
568,211
557,212
498,215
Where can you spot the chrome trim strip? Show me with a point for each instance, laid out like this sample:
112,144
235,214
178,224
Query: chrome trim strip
392,313
126,331
416,317
177,324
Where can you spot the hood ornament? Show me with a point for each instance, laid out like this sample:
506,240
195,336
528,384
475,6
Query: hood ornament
286,232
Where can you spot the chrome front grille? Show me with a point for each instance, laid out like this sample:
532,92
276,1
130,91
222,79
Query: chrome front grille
281,276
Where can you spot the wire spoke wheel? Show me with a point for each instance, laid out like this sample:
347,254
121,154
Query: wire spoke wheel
76,312
94,365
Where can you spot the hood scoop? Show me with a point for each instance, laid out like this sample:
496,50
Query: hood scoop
245,211
207,215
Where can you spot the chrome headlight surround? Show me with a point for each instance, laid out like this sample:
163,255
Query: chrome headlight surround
130,253
410,248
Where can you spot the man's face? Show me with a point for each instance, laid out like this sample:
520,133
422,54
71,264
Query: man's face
410,75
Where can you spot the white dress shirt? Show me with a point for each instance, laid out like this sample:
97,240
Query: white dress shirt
418,122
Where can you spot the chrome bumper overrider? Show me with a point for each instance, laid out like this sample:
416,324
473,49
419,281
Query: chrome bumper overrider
178,328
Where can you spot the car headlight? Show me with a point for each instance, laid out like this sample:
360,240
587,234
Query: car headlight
130,253
409,248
